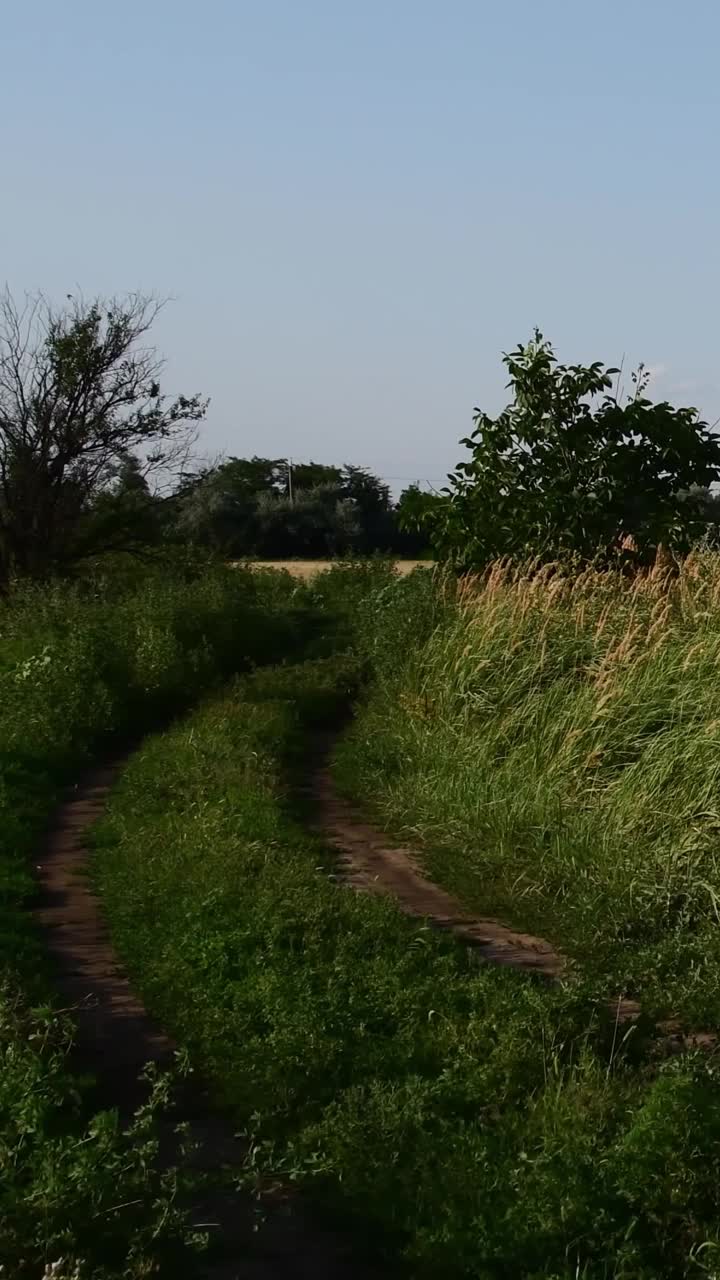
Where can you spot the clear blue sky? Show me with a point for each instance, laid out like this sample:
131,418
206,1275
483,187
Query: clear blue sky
358,206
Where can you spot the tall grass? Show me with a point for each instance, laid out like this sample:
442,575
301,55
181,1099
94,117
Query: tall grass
553,744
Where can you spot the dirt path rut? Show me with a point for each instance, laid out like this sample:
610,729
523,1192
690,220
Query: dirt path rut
116,1037
367,861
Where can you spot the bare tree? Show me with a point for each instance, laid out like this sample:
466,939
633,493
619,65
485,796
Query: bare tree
79,393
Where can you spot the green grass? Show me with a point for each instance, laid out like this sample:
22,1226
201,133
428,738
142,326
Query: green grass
75,1189
554,749
82,667
475,1121
553,746
79,667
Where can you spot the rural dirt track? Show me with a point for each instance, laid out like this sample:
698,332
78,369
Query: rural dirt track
116,1038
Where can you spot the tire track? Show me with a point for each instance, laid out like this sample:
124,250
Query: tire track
116,1038
368,862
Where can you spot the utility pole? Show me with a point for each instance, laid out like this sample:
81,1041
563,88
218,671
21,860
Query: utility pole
290,491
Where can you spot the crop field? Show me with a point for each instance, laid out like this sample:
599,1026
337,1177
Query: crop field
306,569
421,877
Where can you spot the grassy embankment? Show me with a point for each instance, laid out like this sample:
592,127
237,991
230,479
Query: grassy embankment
482,1124
554,746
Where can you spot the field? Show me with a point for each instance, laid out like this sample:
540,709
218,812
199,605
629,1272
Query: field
307,569
546,746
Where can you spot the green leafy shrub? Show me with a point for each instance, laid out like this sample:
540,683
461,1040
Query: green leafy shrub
86,1192
567,470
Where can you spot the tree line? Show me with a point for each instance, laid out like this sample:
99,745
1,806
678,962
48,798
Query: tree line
96,459
263,508
272,509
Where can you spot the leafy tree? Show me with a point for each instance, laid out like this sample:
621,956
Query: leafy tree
415,516
704,507
370,493
315,523
250,507
310,475
567,468
244,477
124,517
201,512
371,499
218,506
79,398
129,477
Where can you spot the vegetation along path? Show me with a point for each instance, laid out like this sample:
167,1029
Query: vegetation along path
116,1037
371,863
368,1061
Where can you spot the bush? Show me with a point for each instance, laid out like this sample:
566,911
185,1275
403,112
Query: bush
86,1192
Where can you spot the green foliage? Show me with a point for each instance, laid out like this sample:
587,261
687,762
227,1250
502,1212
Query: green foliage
123,517
274,510
415,507
346,596
309,475
478,1123
567,469
88,1192
312,524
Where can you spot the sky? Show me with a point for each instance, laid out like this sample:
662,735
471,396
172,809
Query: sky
355,208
